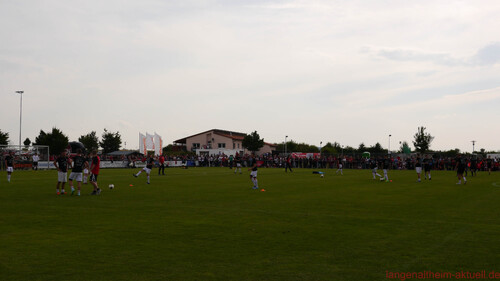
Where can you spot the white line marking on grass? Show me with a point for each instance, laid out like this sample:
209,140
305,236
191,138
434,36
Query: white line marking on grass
497,184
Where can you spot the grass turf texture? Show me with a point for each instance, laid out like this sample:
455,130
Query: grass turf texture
208,224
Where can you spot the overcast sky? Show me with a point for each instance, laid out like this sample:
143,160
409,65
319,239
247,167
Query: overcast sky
349,71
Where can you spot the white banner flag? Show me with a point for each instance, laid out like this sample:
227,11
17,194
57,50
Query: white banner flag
150,144
158,144
142,143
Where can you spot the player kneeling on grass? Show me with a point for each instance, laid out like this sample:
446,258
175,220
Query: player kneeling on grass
147,169
94,172
253,174
61,163
79,163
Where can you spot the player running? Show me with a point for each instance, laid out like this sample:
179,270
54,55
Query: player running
147,169
253,174
386,163
61,164
79,163
94,172
9,163
374,167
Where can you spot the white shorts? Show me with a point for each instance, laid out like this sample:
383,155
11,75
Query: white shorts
238,165
374,170
76,177
10,169
86,171
253,174
340,166
418,170
147,170
62,177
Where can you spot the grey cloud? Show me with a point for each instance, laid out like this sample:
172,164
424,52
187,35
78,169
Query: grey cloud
488,55
410,55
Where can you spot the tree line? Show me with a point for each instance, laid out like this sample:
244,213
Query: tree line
57,141
111,141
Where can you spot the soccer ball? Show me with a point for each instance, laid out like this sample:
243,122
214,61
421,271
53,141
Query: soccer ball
382,179
322,175
111,186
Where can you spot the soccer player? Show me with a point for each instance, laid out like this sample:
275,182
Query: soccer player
9,163
374,167
147,169
489,163
339,165
460,167
427,167
473,166
61,163
86,170
418,167
386,163
79,163
94,172
253,174
288,164
35,159
161,168
237,159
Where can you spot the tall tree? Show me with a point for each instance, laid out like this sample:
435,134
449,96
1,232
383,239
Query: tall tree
361,148
377,148
110,141
405,148
253,142
90,141
56,140
4,138
422,141
27,142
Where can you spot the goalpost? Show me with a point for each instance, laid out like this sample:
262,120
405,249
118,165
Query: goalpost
23,156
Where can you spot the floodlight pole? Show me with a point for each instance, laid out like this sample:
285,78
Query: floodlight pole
20,117
473,143
389,149
285,144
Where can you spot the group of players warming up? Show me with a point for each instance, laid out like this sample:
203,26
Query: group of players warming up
82,166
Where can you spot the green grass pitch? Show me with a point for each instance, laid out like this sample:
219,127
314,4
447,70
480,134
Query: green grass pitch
208,224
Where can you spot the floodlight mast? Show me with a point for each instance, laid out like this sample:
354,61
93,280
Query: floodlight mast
389,148
20,116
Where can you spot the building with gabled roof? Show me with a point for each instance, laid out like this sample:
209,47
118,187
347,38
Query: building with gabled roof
216,141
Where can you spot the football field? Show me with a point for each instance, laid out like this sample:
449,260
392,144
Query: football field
208,224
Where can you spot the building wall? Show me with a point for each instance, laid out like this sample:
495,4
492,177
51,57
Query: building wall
265,149
215,139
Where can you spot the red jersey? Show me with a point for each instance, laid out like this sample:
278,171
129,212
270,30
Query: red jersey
162,159
96,162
